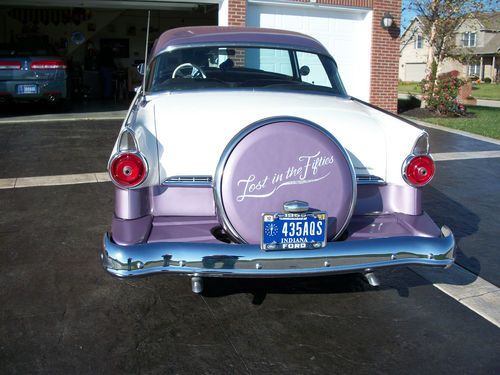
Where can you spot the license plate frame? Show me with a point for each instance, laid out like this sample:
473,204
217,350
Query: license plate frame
27,89
275,224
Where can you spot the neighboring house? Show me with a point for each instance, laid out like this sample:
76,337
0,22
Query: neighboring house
477,42
366,53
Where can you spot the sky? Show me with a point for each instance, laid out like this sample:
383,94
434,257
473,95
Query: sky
407,15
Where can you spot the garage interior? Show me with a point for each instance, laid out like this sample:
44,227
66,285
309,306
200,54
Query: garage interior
83,35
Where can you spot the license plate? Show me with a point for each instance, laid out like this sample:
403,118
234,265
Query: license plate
27,89
292,231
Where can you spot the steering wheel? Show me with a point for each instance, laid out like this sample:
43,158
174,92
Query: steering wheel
182,72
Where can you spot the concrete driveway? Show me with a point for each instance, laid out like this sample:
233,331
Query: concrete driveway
62,314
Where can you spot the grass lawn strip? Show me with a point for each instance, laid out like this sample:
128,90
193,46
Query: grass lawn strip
486,91
486,121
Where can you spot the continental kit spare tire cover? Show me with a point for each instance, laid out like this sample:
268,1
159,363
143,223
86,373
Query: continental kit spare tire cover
279,160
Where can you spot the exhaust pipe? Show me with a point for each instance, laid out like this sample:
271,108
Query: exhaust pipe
372,279
197,284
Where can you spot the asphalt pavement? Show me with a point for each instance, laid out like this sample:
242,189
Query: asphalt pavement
61,313
465,195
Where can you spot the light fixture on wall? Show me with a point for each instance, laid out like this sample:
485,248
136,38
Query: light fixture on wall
387,20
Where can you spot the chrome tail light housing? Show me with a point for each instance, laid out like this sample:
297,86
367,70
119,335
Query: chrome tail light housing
127,167
419,168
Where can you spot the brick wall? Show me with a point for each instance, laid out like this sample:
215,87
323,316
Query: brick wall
237,11
385,45
385,56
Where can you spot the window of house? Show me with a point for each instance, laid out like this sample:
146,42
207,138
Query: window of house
419,41
469,39
473,70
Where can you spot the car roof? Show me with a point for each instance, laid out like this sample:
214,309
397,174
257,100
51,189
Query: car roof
231,36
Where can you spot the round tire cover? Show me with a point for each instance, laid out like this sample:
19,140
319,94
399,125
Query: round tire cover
270,163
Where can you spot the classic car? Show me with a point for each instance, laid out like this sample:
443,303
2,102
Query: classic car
31,71
243,156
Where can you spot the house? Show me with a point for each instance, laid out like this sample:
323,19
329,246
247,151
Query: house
351,30
477,43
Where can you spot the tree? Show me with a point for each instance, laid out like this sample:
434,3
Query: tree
440,21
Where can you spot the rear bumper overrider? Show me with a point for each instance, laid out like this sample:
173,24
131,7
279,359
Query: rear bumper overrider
240,260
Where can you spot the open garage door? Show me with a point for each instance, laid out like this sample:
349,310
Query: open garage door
345,32
109,4
101,42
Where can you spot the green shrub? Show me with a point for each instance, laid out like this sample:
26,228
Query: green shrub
441,94
487,80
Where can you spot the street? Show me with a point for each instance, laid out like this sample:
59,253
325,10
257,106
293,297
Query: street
61,313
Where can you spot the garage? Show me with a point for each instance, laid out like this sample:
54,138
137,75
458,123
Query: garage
367,53
338,29
82,31
414,72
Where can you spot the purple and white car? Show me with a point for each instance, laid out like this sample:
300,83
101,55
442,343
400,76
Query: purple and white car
243,156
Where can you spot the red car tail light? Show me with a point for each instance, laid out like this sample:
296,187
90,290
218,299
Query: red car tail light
10,65
128,169
48,64
418,170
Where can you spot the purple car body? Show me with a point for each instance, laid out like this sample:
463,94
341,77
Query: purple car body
244,146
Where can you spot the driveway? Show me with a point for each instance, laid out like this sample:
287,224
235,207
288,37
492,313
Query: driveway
62,314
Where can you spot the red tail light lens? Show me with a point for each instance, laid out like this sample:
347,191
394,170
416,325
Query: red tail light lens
48,64
10,65
128,170
419,170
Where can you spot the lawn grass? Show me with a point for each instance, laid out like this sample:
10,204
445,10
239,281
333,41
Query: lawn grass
486,121
409,87
488,91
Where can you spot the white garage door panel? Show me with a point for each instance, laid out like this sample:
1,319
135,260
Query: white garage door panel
345,33
414,72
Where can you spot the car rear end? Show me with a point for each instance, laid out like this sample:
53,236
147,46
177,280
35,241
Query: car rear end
31,74
264,168
185,223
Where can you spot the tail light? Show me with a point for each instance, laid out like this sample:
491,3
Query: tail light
418,170
127,169
48,64
10,65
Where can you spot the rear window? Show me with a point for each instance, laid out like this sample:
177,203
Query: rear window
26,49
243,67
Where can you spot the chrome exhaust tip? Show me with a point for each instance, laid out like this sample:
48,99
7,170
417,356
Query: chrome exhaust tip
372,279
197,284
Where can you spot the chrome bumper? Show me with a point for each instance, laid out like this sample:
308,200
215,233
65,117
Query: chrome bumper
225,260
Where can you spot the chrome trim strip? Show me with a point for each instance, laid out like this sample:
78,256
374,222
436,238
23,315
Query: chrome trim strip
188,181
423,137
369,180
242,260
127,132
223,219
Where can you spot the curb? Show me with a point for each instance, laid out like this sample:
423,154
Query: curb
69,117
